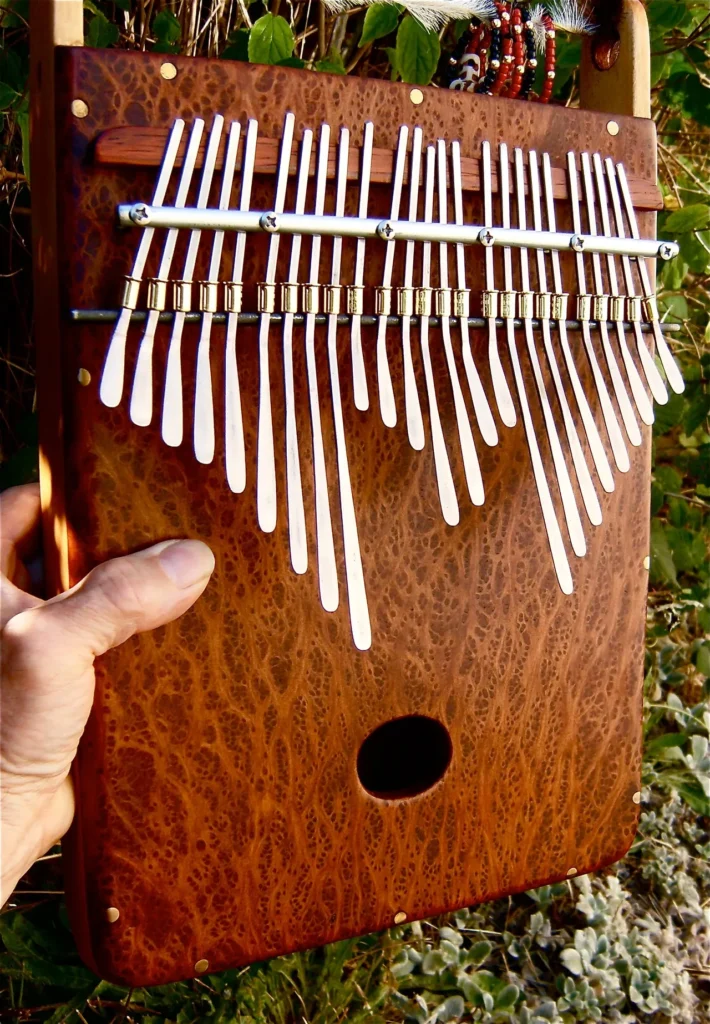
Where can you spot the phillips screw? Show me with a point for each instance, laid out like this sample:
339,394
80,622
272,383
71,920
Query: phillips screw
667,250
486,237
577,243
139,213
269,222
385,230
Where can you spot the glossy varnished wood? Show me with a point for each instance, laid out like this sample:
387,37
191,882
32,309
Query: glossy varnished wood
219,807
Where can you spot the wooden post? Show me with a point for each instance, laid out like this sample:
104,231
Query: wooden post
625,88
52,23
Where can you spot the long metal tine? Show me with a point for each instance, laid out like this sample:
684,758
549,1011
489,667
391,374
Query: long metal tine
325,548
412,408
111,387
360,395
472,469
265,468
616,440
586,486
384,380
593,439
444,479
625,408
552,527
673,374
141,404
235,459
484,416
203,427
357,598
294,489
653,377
503,397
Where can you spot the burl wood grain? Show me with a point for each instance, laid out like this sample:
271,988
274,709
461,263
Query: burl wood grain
219,807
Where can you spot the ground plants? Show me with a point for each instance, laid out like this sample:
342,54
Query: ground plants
630,944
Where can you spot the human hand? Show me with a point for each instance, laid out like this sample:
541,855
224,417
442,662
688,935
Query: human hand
47,666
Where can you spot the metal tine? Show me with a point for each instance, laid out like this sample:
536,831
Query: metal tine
673,374
503,397
294,491
141,405
616,440
111,387
265,466
384,380
643,403
569,503
444,479
584,479
360,395
484,416
357,598
325,548
549,516
472,469
653,377
596,447
203,426
625,408
234,454
412,408
640,398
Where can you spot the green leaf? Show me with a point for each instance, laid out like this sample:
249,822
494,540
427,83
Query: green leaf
237,47
663,568
668,479
167,32
8,96
688,218
695,250
676,306
380,20
125,5
697,412
332,65
270,40
394,66
101,33
702,660
417,52
669,415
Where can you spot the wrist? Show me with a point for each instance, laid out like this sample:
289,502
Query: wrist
28,828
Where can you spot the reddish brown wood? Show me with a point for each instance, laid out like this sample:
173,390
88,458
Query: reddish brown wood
144,147
219,807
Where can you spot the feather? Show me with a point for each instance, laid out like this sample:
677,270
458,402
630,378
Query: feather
567,16
432,14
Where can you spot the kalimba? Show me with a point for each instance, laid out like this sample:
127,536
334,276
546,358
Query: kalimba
388,352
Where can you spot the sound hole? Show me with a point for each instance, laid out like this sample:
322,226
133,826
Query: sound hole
404,757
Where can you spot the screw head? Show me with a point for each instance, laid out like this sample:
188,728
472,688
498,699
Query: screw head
201,966
139,213
385,230
269,222
79,108
416,96
112,914
667,250
486,237
168,71
400,917
577,243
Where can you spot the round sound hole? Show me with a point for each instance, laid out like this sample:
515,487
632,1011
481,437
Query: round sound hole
404,757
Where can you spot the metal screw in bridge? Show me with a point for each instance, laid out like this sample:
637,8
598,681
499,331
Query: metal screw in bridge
269,222
139,213
487,237
386,231
577,243
667,251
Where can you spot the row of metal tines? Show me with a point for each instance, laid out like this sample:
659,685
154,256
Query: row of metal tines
433,167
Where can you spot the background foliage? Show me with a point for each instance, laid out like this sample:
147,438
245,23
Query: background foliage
629,944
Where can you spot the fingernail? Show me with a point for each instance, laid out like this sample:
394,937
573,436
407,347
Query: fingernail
186,562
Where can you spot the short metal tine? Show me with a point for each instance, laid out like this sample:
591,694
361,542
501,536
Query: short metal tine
484,416
384,380
294,489
673,374
596,446
405,306
111,387
472,469
584,479
616,439
203,428
360,395
325,548
569,503
265,466
357,598
442,468
141,404
625,408
552,527
503,397
234,454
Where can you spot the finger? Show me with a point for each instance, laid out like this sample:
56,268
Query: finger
13,600
19,529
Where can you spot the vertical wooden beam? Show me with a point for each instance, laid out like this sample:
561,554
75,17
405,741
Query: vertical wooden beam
52,23
625,88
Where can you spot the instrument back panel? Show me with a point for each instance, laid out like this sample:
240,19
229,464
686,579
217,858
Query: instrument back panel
219,805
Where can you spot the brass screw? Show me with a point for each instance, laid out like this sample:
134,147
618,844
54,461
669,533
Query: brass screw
416,96
572,872
613,127
79,108
400,917
168,71
84,377
647,563
637,797
201,966
112,914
